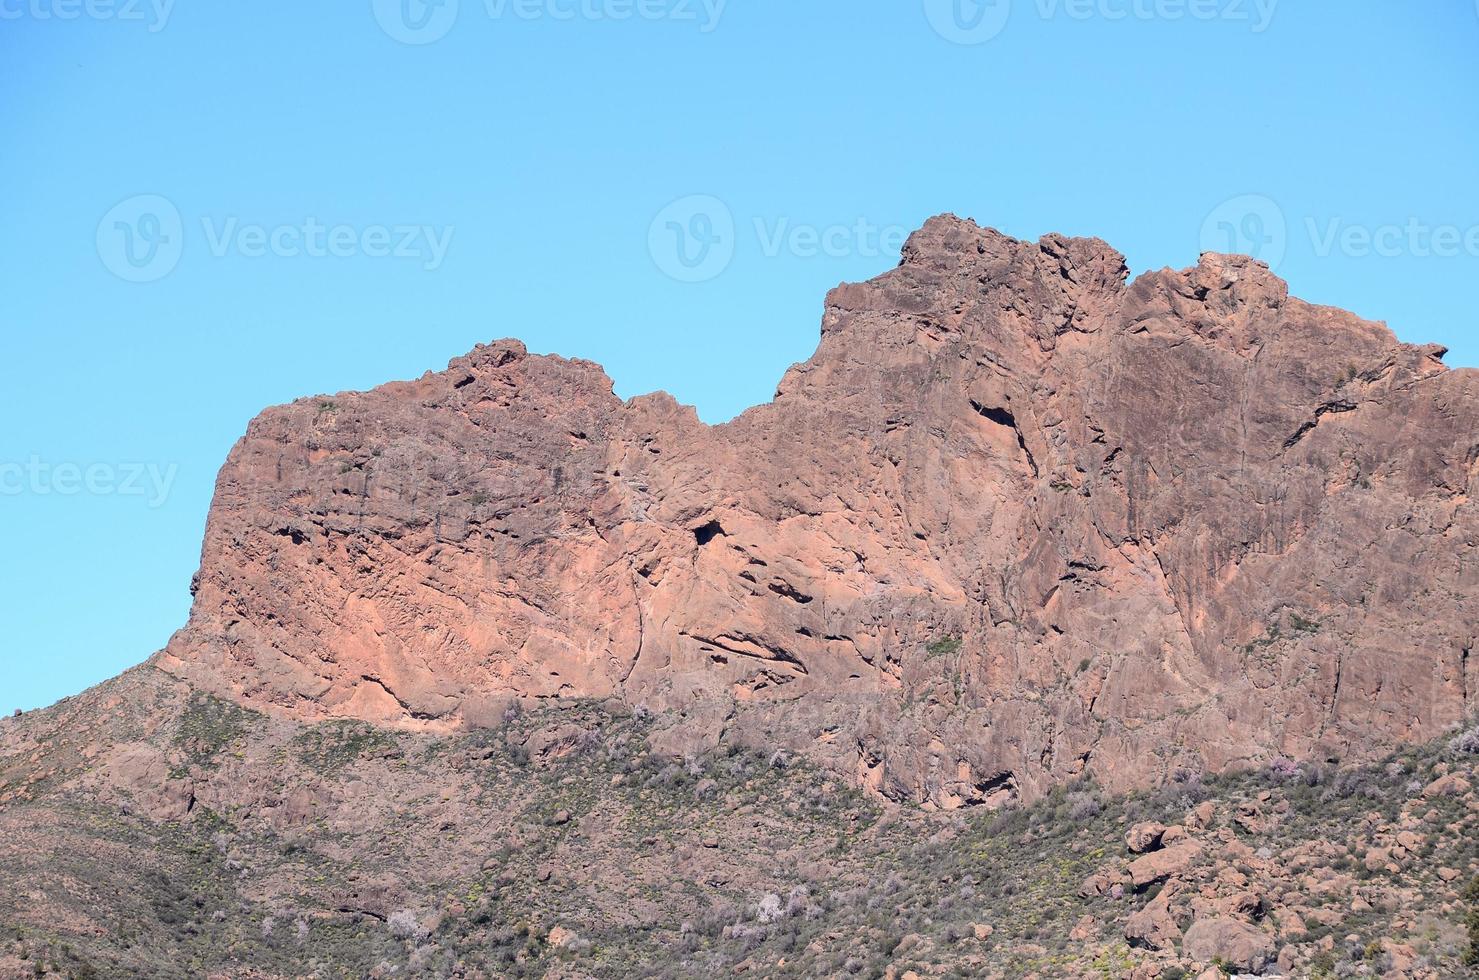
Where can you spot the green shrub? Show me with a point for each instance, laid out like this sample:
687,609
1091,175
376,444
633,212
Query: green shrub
333,745
944,647
207,725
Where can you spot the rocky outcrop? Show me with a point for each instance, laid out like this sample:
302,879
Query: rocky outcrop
1234,943
1017,521
1143,837
1153,927
1160,865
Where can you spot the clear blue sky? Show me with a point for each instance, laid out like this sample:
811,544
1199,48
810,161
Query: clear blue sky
550,140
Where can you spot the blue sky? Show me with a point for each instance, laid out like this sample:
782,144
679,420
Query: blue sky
212,208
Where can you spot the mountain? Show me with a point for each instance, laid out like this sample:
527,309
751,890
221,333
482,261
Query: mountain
1016,522
1044,624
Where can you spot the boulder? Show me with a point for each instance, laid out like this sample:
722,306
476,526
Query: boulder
1163,864
1086,928
1237,944
1201,815
1143,837
1099,883
1153,926
1450,785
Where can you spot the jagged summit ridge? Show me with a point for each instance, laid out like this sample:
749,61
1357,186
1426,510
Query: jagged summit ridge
1017,520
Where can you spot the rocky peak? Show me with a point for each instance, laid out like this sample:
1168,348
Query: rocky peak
1016,521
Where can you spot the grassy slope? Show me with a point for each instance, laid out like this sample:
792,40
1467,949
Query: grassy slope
559,846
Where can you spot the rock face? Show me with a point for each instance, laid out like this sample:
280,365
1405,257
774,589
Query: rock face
1234,943
1016,521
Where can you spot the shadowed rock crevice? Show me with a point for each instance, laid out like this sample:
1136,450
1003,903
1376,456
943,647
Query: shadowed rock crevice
1005,418
1337,408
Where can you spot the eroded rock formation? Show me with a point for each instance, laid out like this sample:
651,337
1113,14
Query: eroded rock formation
1016,520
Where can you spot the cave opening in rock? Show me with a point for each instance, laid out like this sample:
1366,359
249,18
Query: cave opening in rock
998,415
707,532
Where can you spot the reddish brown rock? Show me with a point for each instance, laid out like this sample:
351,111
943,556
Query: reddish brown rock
1402,957
1153,927
1377,858
1099,883
1085,929
145,775
1144,837
1234,943
1449,785
1291,926
1017,521
1243,903
1201,816
1250,817
1160,865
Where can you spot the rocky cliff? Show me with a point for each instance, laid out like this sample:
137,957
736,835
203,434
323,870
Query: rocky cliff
1018,520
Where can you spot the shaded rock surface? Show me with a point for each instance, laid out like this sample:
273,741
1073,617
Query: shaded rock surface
1017,521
